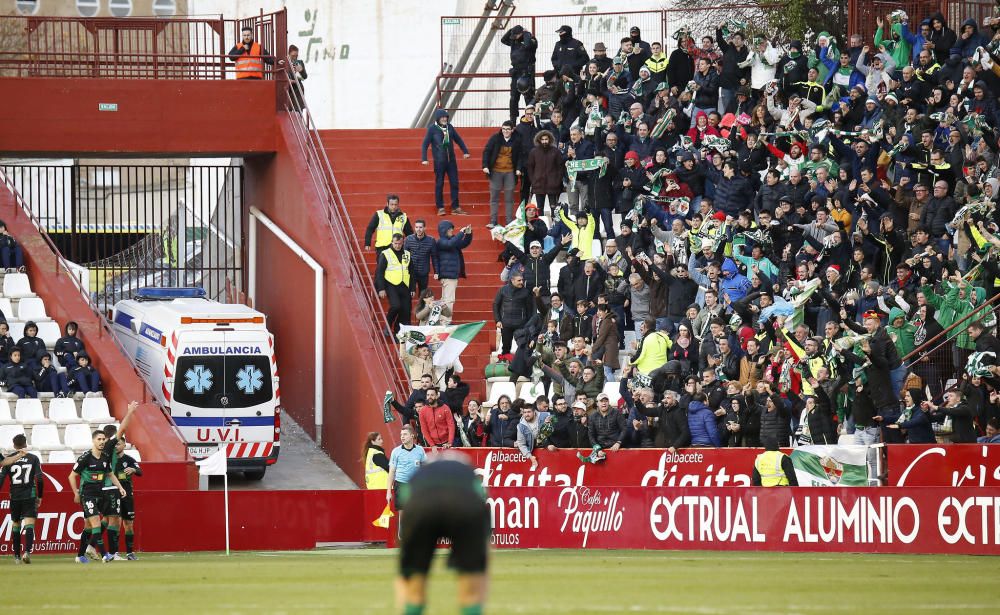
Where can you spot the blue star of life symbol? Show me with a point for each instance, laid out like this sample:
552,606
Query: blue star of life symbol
249,379
198,379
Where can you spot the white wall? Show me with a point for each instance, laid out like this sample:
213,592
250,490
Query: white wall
371,62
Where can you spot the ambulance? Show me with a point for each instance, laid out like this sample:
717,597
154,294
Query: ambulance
212,366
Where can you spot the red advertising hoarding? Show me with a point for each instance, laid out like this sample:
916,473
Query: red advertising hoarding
948,465
694,467
876,520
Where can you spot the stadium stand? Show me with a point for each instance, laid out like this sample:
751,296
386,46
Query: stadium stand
789,218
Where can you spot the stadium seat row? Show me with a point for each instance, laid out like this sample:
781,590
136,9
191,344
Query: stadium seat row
529,391
61,411
46,437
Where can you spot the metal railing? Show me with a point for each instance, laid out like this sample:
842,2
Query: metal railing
135,48
64,267
862,14
133,226
356,276
482,91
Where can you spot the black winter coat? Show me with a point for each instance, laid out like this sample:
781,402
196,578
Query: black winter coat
513,306
492,150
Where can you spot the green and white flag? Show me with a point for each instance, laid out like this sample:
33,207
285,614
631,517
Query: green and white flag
799,302
458,339
514,230
831,466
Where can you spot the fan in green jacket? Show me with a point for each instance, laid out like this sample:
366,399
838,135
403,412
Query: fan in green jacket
901,331
954,305
895,44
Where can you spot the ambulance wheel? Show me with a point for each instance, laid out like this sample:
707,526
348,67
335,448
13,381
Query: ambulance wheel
255,474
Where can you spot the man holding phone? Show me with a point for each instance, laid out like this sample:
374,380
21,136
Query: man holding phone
448,261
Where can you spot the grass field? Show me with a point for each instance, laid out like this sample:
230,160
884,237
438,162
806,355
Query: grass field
577,582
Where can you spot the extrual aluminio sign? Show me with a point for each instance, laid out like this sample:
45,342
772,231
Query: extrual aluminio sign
876,520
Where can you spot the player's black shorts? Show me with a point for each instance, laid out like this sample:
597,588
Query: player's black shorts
457,515
110,503
126,508
91,505
23,509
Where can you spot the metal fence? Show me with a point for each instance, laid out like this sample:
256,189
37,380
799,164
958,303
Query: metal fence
133,226
863,13
479,95
133,48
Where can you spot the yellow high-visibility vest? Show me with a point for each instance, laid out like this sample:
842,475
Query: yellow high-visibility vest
768,465
375,477
655,352
397,272
387,228
656,66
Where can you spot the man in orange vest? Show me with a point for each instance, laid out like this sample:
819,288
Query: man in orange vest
250,57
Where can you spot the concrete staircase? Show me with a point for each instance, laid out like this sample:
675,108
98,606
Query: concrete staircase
369,164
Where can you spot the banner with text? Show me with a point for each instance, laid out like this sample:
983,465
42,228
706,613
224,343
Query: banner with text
948,465
875,520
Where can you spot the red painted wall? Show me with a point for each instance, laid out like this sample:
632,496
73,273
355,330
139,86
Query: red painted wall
150,430
185,118
279,186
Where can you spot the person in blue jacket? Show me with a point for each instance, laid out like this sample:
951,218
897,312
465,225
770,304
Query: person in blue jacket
441,137
733,285
449,263
701,422
914,421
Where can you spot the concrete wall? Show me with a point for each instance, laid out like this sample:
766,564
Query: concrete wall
371,63
61,117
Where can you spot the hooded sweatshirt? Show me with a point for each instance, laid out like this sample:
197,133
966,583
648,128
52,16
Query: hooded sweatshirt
903,334
732,283
897,45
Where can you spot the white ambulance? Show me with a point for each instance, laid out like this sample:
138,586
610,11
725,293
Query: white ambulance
212,366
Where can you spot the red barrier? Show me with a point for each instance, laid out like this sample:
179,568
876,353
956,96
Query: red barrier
259,520
877,520
951,465
717,467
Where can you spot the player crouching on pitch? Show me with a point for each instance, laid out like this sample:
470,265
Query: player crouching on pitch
100,489
444,499
25,471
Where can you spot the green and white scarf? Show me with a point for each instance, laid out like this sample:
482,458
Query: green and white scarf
573,167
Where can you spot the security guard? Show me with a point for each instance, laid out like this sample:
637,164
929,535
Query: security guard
654,350
772,468
250,57
394,279
385,223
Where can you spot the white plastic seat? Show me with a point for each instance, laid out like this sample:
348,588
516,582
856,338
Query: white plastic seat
17,285
57,363
95,410
7,309
77,437
596,249
16,329
554,270
530,391
611,389
846,438
32,308
501,388
62,411
134,454
62,456
49,331
29,412
7,433
6,418
630,337
46,438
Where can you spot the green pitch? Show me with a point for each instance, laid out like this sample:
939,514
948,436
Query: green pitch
577,582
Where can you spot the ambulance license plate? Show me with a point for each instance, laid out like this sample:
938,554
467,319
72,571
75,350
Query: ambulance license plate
200,452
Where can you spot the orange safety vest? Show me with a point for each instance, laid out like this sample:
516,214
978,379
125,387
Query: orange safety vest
250,66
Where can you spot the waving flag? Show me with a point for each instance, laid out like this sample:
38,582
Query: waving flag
831,466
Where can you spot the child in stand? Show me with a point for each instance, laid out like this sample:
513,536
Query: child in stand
84,380
48,380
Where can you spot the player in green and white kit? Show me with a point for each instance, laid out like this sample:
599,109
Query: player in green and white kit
26,482
91,473
125,469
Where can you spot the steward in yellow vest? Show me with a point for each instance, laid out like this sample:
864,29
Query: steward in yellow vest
376,464
385,223
772,468
394,280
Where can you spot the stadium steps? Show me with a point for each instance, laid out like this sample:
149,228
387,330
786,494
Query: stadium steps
369,164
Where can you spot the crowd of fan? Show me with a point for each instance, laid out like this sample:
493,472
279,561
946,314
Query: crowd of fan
803,239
